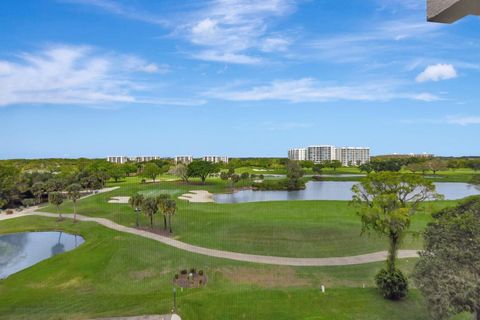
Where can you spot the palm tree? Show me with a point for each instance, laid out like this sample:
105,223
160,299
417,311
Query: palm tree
73,192
162,200
56,199
136,203
171,208
150,208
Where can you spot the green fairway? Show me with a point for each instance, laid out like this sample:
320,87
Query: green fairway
283,228
114,273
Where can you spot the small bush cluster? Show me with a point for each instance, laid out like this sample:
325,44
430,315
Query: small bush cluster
392,284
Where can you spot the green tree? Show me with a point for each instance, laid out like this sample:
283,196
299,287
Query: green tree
116,172
224,176
135,202
385,202
234,178
171,209
151,170
245,176
162,200
181,171
318,167
56,199
294,175
365,167
436,165
202,169
150,208
73,192
335,164
38,190
28,202
448,272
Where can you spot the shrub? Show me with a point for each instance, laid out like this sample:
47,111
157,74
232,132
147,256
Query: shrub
143,181
200,273
192,270
176,276
392,284
9,211
184,271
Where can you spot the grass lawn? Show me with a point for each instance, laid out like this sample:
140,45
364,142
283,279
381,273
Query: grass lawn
284,228
115,274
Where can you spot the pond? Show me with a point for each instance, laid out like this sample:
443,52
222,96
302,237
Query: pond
333,190
19,251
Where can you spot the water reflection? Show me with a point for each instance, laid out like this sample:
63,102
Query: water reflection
22,250
334,190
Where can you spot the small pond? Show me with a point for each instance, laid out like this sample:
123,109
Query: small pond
19,251
333,190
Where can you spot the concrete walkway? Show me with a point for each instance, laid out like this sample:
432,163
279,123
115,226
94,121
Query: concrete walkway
284,261
146,317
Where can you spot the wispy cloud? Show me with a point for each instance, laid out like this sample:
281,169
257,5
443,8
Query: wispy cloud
310,90
77,75
437,72
463,120
227,29
116,8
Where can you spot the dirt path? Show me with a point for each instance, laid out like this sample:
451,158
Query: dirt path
284,261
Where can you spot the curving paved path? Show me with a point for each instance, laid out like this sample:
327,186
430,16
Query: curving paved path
284,261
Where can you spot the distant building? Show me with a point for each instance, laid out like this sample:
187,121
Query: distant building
406,155
299,154
321,153
352,156
215,159
144,158
183,159
348,156
124,159
117,159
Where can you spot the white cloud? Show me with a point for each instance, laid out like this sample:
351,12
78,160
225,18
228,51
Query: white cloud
226,29
310,90
75,75
463,120
427,97
437,72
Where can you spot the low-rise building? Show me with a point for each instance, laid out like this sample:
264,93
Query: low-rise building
117,159
183,159
215,159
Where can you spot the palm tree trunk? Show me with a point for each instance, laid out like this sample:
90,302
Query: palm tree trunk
151,221
477,314
138,214
59,213
164,222
170,222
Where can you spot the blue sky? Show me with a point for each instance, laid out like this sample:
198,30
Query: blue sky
239,78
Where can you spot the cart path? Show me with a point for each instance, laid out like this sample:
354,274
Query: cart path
273,260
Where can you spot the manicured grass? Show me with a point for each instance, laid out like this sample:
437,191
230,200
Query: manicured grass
114,274
284,228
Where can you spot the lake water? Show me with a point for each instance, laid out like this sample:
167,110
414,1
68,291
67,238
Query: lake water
333,190
19,251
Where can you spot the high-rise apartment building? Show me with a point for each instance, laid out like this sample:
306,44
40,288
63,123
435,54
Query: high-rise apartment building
183,159
348,156
299,154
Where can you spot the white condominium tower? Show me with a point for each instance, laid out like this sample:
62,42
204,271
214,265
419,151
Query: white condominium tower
352,156
215,159
299,154
348,156
320,153
183,159
117,159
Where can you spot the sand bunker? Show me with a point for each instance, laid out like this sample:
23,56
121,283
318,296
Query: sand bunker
119,200
198,196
